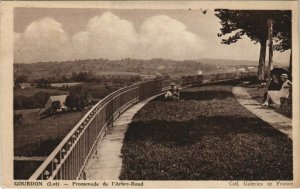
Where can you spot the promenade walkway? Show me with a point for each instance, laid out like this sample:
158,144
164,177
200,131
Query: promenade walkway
268,115
106,163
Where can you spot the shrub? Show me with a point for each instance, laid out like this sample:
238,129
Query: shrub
77,100
286,107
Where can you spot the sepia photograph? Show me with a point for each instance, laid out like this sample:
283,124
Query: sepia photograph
199,93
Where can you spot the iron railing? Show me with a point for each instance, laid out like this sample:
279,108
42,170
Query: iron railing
69,158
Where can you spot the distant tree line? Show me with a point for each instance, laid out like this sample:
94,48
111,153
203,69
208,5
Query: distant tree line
64,70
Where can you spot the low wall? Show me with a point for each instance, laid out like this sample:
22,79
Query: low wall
194,80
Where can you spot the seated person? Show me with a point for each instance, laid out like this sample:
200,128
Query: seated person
173,93
275,85
275,96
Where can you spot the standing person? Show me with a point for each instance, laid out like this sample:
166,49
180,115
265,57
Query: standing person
173,93
275,96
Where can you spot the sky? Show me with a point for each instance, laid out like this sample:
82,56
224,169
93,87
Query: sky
44,34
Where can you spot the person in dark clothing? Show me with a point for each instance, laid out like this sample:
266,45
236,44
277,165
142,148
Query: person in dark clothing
173,93
275,85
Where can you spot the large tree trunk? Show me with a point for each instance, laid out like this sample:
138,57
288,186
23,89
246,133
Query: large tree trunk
262,60
270,37
290,65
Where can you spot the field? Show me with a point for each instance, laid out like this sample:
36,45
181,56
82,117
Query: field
40,137
34,136
207,135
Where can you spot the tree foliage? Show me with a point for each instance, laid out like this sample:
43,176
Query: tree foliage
253,23
42,83
81,77
21,79
77,99
283,24
55,105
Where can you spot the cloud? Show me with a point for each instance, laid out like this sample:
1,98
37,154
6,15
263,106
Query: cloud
164,37
43,39
107,36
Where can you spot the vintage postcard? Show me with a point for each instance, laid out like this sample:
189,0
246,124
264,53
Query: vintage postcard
172,94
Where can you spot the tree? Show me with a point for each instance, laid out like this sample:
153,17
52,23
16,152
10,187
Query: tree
284,37
55,105
21,79
77,99
42,83
253,23
82,77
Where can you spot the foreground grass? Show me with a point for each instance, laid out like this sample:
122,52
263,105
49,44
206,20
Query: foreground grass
207,135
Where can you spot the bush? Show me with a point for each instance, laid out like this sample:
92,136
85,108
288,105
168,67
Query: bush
55,105
286,107
77,100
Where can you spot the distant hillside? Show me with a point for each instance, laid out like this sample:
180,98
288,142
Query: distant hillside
128,67
226,62
101,67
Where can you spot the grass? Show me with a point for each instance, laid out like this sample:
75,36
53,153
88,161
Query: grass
40,136
24,169
207,135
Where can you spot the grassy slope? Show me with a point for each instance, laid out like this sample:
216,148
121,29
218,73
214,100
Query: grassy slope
207,135
27,137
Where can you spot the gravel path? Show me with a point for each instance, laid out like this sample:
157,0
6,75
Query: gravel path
268,115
